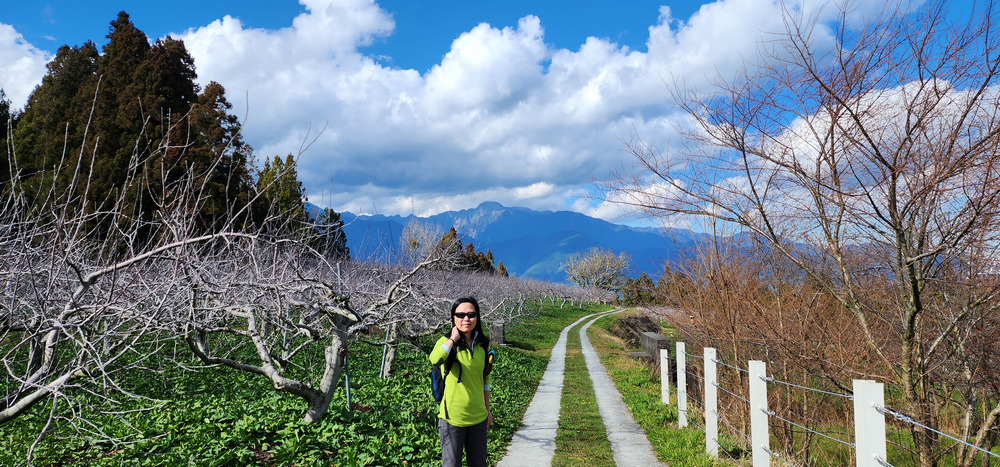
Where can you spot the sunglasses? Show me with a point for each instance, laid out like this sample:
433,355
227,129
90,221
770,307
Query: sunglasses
466,315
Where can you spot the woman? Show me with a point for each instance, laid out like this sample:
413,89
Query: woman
464,414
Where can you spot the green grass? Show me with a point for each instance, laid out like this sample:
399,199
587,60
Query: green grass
582,438
542,331
640,390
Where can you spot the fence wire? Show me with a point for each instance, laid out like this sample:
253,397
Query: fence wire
730,366
731,393
696,401
906,419
845,443
770,379
725,451
778,456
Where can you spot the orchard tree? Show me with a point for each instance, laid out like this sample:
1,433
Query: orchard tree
598,268
78,309
871,163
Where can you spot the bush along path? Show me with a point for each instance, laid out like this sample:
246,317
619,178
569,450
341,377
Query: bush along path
535,442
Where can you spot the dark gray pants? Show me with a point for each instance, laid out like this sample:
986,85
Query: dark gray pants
456,438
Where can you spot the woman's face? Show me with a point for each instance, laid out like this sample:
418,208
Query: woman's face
465,317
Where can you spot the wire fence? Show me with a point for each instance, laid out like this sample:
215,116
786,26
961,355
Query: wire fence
907,419
867,442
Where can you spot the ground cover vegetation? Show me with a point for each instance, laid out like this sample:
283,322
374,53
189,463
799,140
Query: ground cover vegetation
229,418
143,255
849,173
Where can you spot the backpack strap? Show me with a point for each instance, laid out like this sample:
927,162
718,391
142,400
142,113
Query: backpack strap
450,360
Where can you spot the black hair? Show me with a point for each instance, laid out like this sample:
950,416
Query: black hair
481,338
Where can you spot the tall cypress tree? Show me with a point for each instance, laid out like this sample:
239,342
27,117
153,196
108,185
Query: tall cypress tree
333,239
281,202
6,122
50,129
220,157
141,111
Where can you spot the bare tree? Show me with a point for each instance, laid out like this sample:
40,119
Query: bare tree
599,268
872,165
85,291
285,302
746,300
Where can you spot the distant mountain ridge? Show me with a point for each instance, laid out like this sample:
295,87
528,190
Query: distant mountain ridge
531,244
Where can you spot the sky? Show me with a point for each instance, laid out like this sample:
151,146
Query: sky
419,107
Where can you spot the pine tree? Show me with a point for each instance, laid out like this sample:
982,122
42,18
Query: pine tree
449,242
120,115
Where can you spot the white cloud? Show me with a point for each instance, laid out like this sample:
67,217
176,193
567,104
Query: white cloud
503,117
502,111
22,66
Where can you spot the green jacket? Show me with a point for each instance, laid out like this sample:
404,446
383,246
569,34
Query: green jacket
463,404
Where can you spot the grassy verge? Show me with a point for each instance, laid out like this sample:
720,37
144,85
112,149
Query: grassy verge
581,439
640,391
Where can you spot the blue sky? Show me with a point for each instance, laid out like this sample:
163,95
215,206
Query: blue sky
423,106
423,34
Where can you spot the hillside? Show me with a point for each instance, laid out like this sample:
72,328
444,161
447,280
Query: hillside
531,244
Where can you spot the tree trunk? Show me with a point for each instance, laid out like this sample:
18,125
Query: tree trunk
335,354
392,343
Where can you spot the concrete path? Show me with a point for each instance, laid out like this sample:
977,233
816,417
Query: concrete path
628,440
534,444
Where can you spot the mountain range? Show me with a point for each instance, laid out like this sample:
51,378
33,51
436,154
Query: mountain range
531,244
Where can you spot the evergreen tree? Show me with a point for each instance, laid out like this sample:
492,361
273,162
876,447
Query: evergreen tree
332,235
53,118
133,107
6,123
281,203
639,291
469,258
502,270
449,242
120,114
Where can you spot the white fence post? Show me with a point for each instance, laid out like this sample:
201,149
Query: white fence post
711,405
760,436
665,376
869,423
682,392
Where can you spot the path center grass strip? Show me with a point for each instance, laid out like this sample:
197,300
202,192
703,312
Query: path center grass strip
581,439
640,389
